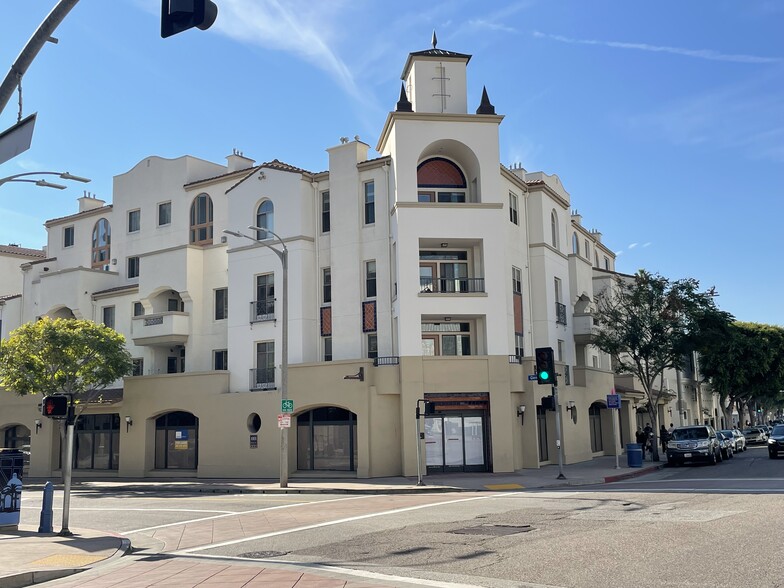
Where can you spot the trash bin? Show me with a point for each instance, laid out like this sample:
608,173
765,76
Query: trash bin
634,455
11,462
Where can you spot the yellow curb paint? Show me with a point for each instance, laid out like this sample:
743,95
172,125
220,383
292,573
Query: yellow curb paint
503,486
68,560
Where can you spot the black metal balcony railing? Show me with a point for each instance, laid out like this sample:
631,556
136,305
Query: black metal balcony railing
451,285
262,310
560,313
262,378
388,360
515,359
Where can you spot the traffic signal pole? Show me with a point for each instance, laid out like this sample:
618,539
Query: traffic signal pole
67,471
558,442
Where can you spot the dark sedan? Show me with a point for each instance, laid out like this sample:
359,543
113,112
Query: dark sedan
776,441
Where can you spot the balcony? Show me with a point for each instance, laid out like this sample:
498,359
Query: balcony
262,378
583,329
262,310
451,285
560,313
163,328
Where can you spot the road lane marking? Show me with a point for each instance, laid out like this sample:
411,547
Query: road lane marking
329,523
234,514
277,563
135,509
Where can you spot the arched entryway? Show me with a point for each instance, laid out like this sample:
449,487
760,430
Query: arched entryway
176,441
327,440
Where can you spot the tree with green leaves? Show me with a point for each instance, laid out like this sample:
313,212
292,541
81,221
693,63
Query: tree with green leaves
63,356
648,324
746,366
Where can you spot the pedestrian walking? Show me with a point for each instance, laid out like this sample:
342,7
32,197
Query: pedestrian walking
664,436
649,438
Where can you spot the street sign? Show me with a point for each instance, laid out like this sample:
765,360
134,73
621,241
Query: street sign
287,405
613,401
284,421
532,377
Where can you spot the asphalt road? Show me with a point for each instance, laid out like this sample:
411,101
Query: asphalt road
694,526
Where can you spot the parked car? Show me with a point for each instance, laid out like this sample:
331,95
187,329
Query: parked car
776,442
726,444
693,443
755,435
740,440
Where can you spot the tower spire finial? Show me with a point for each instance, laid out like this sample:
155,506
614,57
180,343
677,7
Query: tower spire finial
435,40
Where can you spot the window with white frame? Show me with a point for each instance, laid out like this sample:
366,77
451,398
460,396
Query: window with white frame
220,359
517,280
265,297
164,214
370,279
370,203
68,236
372,345
264,373
560,350
221,304
325,220
265,219
513,208
134,220
107,316
554,228
133,267
201,220
326,285
102,242
575,244
587,251
327,345
138,309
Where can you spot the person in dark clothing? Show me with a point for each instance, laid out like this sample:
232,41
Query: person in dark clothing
649,437
664,436
642,439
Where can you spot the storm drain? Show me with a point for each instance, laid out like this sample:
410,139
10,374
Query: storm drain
263,554
494,530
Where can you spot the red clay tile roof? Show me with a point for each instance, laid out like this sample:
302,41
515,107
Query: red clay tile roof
232,173
23,251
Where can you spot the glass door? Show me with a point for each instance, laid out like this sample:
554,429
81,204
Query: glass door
455,443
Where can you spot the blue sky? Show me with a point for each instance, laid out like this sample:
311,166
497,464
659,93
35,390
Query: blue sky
664,120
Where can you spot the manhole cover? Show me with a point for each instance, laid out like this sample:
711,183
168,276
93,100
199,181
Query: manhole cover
262,554
497,530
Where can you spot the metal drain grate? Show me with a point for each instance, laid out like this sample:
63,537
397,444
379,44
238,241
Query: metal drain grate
494,530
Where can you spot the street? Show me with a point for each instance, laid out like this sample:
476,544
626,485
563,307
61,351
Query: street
689,526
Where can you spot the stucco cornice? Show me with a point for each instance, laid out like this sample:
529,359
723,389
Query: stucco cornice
560,200
93,212
453,205
392,117
549,247
517,181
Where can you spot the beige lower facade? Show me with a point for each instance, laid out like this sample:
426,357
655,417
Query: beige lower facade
487,417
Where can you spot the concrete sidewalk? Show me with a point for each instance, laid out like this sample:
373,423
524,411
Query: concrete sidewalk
27,557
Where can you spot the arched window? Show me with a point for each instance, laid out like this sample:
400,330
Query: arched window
102,242
201,220
554,228
440,180
575,244
587,250
265,218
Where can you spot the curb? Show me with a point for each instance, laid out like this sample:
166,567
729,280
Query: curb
628,475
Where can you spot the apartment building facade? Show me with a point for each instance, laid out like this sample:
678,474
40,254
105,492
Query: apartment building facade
428,273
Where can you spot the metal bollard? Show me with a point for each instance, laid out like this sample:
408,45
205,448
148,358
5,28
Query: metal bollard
45,525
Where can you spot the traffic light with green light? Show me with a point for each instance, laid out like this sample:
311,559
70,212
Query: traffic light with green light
545,366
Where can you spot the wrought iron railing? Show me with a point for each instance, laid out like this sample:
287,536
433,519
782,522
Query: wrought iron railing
451,285
560,313
515,359
262,378
388,360
262,310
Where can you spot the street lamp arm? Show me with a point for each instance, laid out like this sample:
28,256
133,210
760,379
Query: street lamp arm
278,252
63,175
274,234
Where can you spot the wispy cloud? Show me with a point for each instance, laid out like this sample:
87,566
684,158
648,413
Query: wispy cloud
709,54
632,245
305,29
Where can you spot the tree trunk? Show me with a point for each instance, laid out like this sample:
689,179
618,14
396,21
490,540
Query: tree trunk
654,434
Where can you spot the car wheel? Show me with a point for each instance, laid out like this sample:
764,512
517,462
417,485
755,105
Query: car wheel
672,463
720,455
713,459
772,454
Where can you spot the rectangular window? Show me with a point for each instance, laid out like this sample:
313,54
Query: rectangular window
326,284
557,284
513,208
134,220
138,366
370,279
138,309
175,305
265,365
372,346
164,214
220,359
517,280
325,211
447,338
560,350
221,304
370,203
587,250
68,237
606,263
107,313
133,267
519,352
327,348
264,305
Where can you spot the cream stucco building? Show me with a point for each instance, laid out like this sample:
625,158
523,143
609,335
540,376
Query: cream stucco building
428,273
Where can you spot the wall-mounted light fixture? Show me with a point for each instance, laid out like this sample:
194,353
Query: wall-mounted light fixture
669,410
521,413
128,423
360,375
38,425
